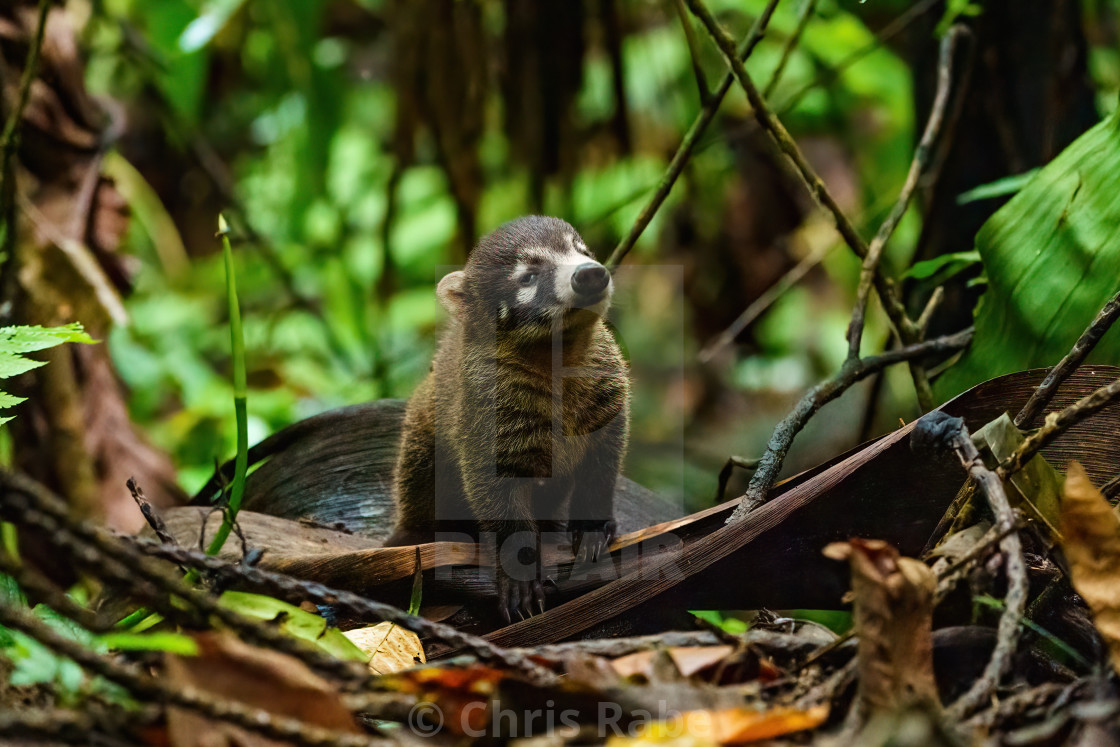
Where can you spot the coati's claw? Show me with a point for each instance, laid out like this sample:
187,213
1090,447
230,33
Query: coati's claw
538,596
591,537
519,599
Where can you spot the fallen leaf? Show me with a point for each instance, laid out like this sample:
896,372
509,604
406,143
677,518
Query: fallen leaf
1036,487
725,726
1091,542
460,696
390,647
294,621
688,660
893,617
231,670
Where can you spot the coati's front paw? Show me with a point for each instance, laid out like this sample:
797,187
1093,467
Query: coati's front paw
517,597
591,537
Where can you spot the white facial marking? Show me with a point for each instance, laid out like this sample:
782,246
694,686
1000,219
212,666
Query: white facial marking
503,311
525,294
566,265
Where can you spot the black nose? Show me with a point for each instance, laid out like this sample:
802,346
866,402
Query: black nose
590,279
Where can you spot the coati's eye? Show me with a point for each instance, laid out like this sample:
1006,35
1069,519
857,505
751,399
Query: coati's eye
527,278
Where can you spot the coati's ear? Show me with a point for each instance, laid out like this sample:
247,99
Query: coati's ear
450,292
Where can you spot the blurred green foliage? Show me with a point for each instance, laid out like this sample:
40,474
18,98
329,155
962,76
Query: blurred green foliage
305,117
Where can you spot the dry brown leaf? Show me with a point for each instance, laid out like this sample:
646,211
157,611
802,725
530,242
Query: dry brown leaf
1091,542
461,696
726,726
390,647
230,669
688,659
893,617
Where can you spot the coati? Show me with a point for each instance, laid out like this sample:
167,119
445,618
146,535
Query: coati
521,424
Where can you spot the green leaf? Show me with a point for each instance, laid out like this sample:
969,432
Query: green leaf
1050,255
417,586
240,390
10,593
26,339
943,266
10,400
14,365
1008,185
172,643
714,617
1037,487
17,340
293,621
339,646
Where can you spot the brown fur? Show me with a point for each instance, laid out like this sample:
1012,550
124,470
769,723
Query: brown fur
519,426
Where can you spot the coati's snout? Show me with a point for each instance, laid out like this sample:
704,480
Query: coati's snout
590,280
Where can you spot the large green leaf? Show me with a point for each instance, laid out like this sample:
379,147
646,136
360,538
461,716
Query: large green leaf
1052,258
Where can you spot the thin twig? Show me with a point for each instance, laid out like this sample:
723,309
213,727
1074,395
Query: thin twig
1058,423
917,166
850,372
888,293
694,54
725,474
41,589
155,521
940,431
791,44
58,726
9,143
288,586
763,302
37,507
1066,366
931,306
891,30
148,689
688,144
947,578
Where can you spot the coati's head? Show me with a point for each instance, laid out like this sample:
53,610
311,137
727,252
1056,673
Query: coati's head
531,277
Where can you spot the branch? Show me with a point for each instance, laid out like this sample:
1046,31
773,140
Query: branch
891,30
888,294
941,431
95,548
146,688
287,586
1058,423
917,166
684,151
9,142
791,44
694,54
763,302
852,371
41,589
1059,373
58,726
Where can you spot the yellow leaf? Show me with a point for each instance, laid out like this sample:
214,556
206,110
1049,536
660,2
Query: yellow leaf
390,647
726,726
1091,541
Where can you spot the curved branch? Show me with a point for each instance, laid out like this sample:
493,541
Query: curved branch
852,371
917,166
691,138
